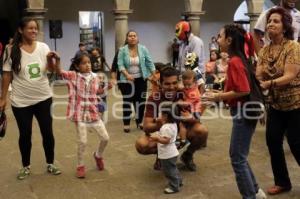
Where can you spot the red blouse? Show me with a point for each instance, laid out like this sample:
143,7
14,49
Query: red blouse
236,79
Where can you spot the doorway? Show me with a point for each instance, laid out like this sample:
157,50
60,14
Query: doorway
91,29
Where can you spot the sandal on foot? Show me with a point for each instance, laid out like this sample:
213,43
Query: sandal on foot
277,190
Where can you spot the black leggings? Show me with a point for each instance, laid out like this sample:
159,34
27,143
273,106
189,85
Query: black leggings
24,116
134,93
280,123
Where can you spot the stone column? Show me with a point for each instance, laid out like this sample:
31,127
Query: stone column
37,14
37,11
255,7
253,19
194,19
193,11
121,27
121,13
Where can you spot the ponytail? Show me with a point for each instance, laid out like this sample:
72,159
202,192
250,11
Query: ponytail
15,54
242,44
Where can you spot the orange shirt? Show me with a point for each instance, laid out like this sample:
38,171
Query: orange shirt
193,96
210,67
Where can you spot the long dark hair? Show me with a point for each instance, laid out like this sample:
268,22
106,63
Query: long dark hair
15,54
286,19
237,34
76,61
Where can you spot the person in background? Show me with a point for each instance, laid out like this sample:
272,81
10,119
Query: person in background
189,43
82,49
98,66
210,68
213,45
278,70
25,67
136,67
175,52
114,71
221,68
98,61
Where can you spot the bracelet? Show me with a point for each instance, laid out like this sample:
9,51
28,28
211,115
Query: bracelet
274,83
271,84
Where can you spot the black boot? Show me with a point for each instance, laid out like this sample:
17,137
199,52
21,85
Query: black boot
187,159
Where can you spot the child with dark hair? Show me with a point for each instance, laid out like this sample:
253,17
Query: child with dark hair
84,87
167,151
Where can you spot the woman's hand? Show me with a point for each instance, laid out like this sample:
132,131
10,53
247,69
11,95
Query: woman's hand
154,137
211,96
158,121
53,61
265,84
129,77
153,81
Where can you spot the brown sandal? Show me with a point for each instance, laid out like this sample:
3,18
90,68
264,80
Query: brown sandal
274,190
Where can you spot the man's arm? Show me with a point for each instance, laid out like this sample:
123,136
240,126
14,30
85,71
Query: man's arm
160,139
151,125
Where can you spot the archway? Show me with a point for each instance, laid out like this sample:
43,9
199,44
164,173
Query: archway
240,13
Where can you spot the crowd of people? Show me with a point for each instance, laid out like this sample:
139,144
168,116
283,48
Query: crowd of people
170,115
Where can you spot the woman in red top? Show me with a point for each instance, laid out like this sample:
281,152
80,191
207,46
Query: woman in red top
231,40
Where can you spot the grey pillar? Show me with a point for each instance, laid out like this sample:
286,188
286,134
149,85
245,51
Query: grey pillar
253,19
121,26
38,14
194,19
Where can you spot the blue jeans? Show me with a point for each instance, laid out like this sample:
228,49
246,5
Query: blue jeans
171,172
242,131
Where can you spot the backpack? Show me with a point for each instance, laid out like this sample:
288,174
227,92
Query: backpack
254,106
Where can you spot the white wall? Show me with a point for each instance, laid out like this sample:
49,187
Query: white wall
154,20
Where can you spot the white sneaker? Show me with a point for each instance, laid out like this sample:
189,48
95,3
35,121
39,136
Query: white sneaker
261,194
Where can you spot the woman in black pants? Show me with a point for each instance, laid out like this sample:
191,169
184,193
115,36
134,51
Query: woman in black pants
136,66
25,66
278,70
